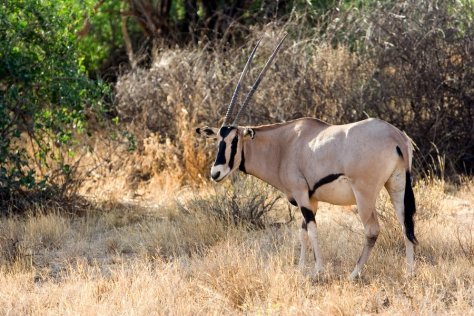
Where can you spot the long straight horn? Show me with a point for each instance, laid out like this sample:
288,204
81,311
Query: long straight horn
237,88
259,78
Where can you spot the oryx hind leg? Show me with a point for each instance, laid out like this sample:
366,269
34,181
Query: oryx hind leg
396,189
368,215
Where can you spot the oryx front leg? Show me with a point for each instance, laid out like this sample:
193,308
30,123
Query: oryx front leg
304,244
309,228
368,216
313,237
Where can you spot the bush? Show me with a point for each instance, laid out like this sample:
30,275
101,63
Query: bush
408,63
45,93
423,68
246,203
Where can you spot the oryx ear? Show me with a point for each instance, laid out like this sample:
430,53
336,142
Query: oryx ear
206,131
248,132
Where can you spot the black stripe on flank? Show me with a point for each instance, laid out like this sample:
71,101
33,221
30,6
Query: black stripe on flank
308,215
399,152
233,151
410,210
327,179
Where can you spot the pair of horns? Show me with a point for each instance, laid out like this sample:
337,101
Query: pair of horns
254,87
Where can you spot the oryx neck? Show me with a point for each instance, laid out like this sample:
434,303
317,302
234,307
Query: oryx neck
259,155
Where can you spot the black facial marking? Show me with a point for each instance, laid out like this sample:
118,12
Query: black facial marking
225,130
233,151
327,179
216,175
220,159
293,202
308,215
399,152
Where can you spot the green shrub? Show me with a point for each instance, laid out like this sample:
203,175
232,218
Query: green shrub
44,91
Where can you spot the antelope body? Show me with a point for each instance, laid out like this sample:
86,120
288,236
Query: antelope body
312,161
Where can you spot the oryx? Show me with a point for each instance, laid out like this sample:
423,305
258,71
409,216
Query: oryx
311,161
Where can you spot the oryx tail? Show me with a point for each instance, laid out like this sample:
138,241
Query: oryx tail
409,197
410,210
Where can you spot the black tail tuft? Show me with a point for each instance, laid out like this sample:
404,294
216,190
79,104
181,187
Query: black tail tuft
410,210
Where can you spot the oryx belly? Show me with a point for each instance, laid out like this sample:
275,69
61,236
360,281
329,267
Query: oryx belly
337,192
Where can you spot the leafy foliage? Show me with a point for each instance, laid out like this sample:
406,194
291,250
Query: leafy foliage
99,35
45,92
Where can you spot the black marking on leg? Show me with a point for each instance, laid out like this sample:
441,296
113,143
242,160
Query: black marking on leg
410,210
308,215
293,202
371,241
399,152
233,151
304,225
327,179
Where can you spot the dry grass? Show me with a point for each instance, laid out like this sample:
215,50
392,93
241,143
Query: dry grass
160,260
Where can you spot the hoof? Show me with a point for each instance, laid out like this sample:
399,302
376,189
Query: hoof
410,274
301,265
318,271
355,275
319,275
